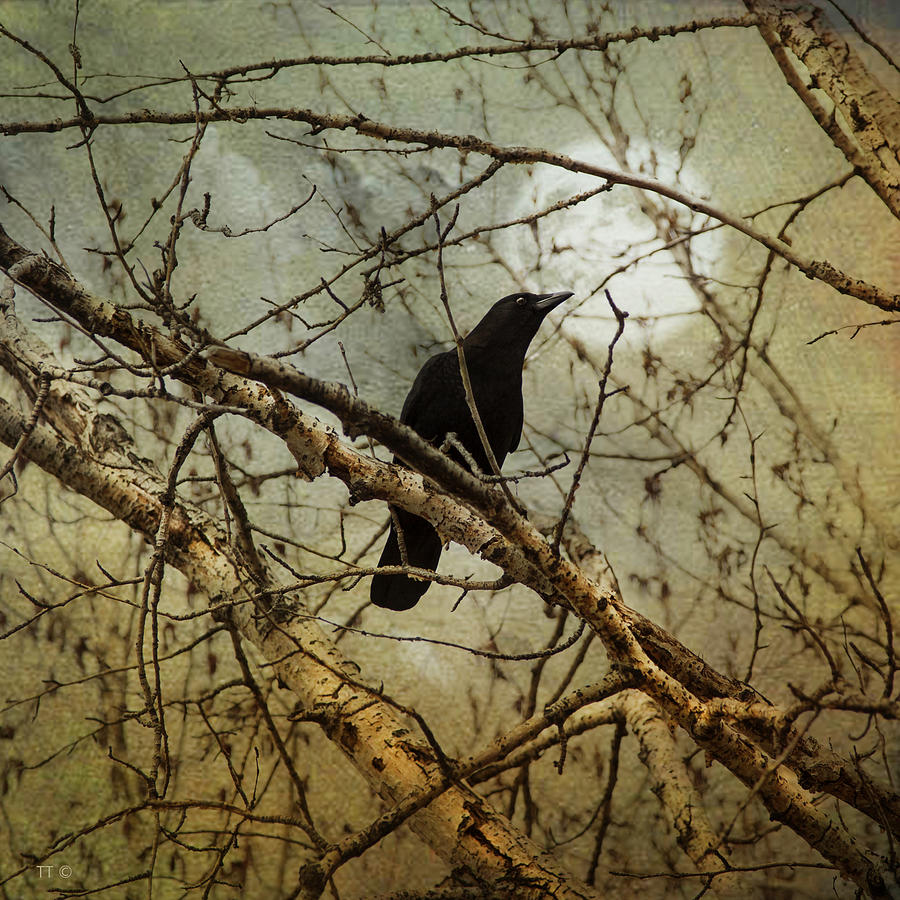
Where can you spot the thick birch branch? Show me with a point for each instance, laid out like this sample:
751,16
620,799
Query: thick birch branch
599,605
458,824
671,783
817,768
870,136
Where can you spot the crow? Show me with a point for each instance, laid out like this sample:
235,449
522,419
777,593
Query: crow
436,406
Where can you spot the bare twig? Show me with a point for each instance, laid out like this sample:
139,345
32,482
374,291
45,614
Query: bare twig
461,356
595,421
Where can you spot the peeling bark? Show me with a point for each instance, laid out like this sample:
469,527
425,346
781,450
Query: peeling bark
869,131
456,822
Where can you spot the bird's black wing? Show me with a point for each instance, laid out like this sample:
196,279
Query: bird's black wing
436,398
430,404
516,431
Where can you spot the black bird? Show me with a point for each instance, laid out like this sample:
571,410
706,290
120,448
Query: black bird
436,406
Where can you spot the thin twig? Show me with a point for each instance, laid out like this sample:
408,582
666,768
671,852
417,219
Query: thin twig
888,624
461,356
598,410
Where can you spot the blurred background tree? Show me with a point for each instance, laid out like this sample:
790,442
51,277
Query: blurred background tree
188,650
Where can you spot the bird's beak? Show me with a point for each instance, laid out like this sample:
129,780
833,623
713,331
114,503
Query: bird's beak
546,302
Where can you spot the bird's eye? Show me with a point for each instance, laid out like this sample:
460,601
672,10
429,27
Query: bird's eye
520,301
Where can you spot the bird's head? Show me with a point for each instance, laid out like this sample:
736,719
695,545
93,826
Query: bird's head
534,304
515,318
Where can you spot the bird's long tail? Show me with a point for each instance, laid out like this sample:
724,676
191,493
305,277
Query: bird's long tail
423,550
